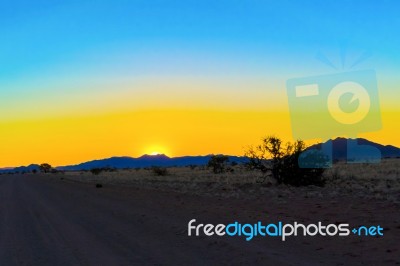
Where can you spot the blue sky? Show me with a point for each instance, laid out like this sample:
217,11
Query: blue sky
61,48
42,35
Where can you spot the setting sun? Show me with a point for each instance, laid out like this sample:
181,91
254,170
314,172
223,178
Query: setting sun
156,150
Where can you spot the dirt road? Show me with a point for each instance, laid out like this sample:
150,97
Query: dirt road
48,221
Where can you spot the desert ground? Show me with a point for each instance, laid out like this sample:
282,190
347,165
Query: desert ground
134,217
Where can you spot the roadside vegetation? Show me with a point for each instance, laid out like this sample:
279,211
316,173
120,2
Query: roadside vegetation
281,161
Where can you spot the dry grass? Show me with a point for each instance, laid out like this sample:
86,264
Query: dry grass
388,169
371,181
175,174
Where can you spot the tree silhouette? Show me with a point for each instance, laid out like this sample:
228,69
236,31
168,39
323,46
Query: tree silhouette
45,168
281,161
218,163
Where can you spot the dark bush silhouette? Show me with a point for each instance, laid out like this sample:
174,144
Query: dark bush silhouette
45,168
55,171
160,171
281,162
218,163
110,169
96,171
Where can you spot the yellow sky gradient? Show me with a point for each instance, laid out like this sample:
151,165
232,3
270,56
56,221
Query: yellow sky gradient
71,140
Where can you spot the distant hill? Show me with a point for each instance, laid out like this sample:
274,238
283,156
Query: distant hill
339,153
146,161
340,148
21,169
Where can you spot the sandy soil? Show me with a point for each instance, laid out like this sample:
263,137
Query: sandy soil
53,220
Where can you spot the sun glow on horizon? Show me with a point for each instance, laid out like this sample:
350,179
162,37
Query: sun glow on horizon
154,150
171,132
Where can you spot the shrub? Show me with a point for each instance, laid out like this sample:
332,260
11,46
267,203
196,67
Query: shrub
282,162
45,168
109,169
55,171
96,171
160,171
218,163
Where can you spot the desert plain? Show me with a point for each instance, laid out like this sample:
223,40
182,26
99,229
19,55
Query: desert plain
135,217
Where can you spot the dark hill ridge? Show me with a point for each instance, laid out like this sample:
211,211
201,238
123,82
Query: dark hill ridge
146,161
21,169
339,153
340,148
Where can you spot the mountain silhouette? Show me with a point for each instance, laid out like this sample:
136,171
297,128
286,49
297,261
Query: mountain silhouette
21,169
340,148
339,153
146,161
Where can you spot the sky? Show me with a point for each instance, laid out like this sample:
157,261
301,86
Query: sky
83,80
